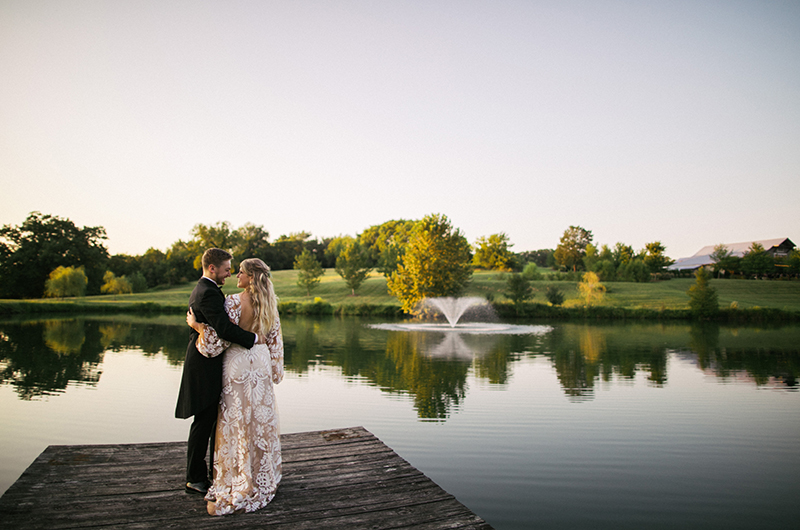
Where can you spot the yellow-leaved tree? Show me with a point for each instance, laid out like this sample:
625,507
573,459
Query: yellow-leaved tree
437,262
114,284
493,253
591,290
66,281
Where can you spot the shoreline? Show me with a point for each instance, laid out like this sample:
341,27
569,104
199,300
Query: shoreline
526,310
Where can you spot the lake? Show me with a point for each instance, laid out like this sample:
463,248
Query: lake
616,425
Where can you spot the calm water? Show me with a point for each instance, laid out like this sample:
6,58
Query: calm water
594,426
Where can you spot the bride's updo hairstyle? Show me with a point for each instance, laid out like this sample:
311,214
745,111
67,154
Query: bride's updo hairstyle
262,294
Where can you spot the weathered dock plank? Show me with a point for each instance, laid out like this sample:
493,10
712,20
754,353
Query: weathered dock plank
339,479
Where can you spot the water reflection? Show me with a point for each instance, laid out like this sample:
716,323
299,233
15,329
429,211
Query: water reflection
755,354
584,354
42,357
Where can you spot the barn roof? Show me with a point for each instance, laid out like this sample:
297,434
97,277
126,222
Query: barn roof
703,256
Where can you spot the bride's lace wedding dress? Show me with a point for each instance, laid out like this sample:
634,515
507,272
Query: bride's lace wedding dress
247,459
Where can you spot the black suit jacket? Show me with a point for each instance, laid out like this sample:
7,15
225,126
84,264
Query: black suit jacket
201,383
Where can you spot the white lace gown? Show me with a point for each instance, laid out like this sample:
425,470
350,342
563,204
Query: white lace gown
247,458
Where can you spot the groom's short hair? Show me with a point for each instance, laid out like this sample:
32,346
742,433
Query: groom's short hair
215,257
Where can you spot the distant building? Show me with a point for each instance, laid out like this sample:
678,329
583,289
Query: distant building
777,248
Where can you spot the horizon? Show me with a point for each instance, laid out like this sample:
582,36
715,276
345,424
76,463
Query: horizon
668,121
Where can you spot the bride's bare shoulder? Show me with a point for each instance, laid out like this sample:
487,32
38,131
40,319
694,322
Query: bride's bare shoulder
244,299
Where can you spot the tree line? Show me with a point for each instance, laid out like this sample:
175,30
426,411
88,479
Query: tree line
50,256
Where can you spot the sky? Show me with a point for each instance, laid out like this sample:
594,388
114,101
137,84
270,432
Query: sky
676,121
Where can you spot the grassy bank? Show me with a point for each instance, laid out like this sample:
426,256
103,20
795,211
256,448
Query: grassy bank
754,300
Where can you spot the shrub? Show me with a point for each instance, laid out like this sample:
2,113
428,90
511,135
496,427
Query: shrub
309,270
518,289
531,272
554,295
605,270
703,300
635,270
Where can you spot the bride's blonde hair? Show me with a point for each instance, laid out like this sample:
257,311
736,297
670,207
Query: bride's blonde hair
262,294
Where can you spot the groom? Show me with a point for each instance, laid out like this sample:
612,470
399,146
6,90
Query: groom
201,383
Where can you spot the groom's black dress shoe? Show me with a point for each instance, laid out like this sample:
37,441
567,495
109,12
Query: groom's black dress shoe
197,487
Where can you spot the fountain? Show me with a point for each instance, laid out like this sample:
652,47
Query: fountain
453,309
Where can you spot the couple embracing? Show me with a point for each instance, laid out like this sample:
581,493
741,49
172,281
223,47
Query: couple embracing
234,357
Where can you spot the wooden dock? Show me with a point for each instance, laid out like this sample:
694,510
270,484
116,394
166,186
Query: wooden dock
344,478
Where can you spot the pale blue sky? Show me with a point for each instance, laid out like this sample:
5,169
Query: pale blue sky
638,120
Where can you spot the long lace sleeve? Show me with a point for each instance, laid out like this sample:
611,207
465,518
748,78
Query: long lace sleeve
208,342
275,345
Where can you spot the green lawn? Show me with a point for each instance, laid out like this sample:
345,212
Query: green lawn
670,294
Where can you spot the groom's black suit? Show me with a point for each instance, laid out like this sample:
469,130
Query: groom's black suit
201,383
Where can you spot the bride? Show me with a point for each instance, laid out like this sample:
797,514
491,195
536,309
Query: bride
247,457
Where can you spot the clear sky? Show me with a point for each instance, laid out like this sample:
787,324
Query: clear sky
639,120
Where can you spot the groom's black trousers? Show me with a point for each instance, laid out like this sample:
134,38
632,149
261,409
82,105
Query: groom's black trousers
201,437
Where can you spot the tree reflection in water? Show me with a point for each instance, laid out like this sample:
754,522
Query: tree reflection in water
42,357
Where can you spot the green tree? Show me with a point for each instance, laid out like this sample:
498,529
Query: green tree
309,271
635,270
337,245
182,262
492,253
622,254
605,254
287,248
792,261
353,265
123,264
153,266
591,257
703,300
605,270
518,289
654,256
591,290
540,257
250,241
722,259
115,284
757,261
137,281
437,262
387,243
572,247
30,251
66,281
720,253
219,235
